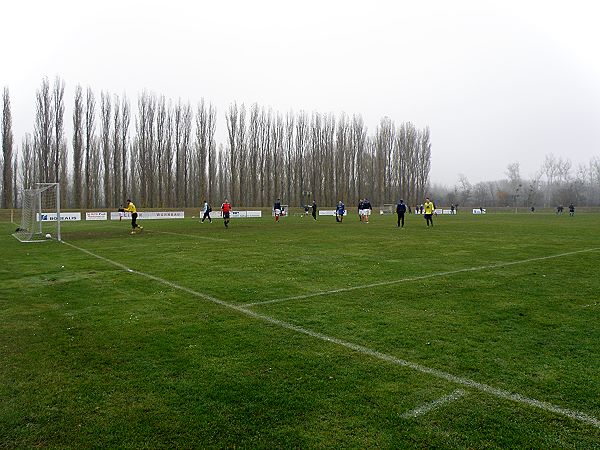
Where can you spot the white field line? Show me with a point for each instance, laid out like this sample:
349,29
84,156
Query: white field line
466,382
188,235
418,277
427,407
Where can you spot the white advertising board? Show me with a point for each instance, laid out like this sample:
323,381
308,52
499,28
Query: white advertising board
330,212
96,215
64,216
244,214
478,210
150,215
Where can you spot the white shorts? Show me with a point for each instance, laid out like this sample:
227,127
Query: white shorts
277,212
366,212
361,212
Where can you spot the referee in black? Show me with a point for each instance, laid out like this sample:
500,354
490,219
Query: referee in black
400,210
314,210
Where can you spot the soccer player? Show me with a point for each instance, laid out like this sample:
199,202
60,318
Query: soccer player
428,209
360,209
400,210
133,210
314,210
121,213
226,209
277,209
571,209
367,208
339,212
206,209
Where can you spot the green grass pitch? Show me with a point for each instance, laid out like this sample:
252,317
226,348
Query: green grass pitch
482,332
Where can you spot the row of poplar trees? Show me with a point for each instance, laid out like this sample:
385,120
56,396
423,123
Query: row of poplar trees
165,154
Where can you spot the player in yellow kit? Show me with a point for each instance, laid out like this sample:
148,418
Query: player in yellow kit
428,209
133,210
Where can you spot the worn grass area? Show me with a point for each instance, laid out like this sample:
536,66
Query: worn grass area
172,355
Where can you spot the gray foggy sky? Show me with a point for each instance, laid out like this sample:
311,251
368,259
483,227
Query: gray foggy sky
497,82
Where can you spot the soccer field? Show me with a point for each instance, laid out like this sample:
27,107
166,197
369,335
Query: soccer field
482,332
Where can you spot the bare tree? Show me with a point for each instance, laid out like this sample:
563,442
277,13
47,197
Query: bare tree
182,136
161,148
107,148
78,155
168,160
117,154
125,122
344,160
90,147
205,131
44,120
7,152
423,162
145,156
358,142
302,141
28,163
288,151
59,145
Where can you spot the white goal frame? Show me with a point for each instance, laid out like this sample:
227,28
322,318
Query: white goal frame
387,208
37,216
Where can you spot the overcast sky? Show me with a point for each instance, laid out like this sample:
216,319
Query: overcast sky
497,82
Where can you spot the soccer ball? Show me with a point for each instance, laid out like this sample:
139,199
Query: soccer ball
48,236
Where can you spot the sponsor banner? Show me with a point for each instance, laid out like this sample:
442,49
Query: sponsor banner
438,211
236,214
447,211
330,212
478,210
96,215
149,215
64,216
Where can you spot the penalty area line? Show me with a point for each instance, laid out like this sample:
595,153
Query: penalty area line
466,382
418,277
428,407
188,235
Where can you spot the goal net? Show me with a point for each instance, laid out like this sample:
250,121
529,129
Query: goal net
40,214
388,208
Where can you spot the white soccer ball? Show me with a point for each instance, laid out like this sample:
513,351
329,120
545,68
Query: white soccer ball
48,236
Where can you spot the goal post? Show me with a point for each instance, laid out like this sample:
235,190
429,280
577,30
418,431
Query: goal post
40,214
387,208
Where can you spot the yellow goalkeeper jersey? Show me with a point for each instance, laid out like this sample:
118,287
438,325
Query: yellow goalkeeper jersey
131,208
428,207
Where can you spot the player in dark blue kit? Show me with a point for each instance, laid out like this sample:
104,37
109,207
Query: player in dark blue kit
314,210
339,212
401,210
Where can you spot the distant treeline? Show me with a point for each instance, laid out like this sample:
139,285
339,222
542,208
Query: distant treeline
555,183
165,154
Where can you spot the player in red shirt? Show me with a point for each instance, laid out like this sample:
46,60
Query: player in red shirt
226,209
